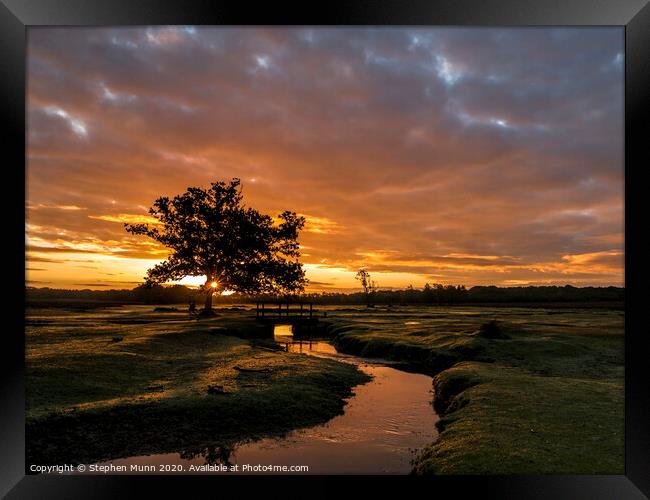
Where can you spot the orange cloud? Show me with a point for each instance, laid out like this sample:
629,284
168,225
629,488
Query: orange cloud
594,257
321,225
127,218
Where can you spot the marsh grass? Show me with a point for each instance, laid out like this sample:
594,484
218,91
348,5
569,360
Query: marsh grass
90,398
545,396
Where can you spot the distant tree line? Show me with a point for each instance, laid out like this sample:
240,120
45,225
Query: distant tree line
434,294
437,294
142,294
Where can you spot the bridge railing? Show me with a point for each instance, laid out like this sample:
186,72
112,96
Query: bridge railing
279,310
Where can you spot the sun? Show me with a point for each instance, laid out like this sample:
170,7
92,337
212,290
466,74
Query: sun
213,284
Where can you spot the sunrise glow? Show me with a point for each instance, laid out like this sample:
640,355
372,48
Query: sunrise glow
424,155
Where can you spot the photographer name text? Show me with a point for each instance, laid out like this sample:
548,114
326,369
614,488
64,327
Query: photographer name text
164,468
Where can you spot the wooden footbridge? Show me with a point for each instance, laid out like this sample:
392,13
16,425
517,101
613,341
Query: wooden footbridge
286,312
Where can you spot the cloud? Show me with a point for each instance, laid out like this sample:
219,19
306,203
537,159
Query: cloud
613,257
458,150
57,249
76,124
127,218
55,207
321,225
42,259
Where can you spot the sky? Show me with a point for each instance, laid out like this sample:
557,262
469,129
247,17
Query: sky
475,156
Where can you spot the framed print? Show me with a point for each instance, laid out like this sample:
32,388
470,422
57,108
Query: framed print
367,241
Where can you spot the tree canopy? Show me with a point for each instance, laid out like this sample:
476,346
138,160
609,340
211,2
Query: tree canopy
209,232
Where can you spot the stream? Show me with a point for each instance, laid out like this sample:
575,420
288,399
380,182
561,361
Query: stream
384,425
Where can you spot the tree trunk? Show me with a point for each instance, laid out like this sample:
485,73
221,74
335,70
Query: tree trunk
208,300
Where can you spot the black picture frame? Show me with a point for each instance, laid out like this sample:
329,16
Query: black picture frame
16,16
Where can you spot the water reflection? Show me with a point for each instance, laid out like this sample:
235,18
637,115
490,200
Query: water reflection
283,333
210,455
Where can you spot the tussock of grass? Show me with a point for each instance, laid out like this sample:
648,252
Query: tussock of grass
449,386
492,330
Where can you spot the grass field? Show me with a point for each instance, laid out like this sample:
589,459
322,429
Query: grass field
546,397
541,391
106,383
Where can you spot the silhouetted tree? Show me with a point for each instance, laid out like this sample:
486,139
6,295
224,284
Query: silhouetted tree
369,286
427,293
211,233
